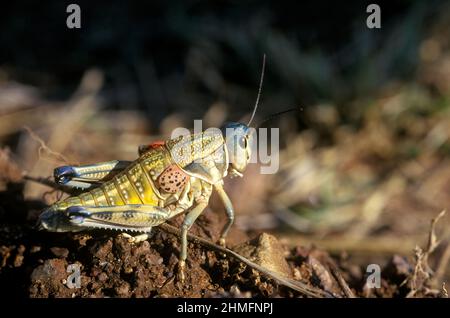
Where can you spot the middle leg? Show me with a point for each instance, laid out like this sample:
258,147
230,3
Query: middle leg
230,213
187,224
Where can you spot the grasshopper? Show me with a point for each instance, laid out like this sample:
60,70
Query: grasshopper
167,179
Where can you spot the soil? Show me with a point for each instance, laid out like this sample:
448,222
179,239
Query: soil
36,263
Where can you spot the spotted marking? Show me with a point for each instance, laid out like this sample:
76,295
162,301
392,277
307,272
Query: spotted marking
128,215
172,179
104,215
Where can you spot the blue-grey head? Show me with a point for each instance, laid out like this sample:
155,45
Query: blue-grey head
238,140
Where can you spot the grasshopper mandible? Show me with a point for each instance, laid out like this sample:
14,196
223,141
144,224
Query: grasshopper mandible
167,179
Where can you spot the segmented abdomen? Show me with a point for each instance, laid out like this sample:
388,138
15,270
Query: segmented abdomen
135,185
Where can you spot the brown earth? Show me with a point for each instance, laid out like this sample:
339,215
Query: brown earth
35,263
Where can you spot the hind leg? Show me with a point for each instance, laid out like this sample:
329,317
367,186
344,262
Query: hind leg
131,217
86,176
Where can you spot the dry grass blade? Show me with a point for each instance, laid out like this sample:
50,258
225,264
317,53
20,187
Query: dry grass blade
432,240
44,148
444,291
420,280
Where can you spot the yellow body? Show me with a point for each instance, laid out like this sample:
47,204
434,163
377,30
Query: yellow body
137,184
134,185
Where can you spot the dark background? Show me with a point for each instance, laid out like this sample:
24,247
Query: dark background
158,54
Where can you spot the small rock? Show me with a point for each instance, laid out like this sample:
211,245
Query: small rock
401,265
141,249
102,250
35,249
123,290
397,268
102,277
82,238
128,269
265,250
5,253
18,260
52,269
60,252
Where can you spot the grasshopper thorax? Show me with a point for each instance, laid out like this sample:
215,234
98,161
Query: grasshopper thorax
238,140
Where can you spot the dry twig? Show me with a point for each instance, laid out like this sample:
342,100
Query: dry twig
341,281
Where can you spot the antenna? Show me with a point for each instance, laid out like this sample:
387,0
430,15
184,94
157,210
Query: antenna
259,90
278,114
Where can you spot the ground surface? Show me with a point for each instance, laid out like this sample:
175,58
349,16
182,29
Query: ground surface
34,264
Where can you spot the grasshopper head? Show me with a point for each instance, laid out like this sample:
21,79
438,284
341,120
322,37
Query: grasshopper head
238,139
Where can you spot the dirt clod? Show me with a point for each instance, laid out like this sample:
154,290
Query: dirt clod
267,251
60,252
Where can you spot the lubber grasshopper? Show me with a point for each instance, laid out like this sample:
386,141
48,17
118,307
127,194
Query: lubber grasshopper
169,178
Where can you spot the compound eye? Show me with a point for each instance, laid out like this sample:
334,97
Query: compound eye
243,142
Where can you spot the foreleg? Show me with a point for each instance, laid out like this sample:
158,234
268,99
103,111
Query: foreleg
230,212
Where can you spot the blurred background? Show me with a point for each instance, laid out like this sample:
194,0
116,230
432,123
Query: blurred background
363,167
